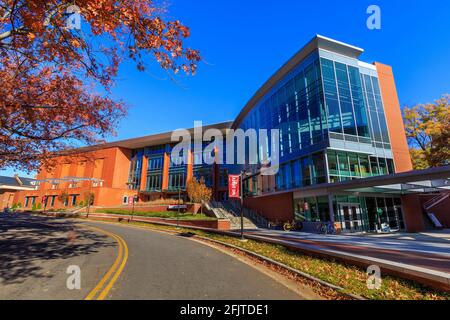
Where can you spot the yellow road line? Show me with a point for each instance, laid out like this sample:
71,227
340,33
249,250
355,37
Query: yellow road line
121,256
105,291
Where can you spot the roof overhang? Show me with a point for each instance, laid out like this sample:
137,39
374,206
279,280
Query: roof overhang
411,182
147,141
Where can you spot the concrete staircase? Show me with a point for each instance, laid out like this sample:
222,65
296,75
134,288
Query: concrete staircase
222,212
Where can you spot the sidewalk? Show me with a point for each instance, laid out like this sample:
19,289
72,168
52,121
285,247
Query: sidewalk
415,257
441,236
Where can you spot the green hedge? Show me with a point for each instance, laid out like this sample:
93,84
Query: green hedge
167,214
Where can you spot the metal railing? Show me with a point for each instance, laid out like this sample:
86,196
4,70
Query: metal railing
435,201
235,208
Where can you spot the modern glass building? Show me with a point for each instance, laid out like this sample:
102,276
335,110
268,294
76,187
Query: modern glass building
343,153
331,113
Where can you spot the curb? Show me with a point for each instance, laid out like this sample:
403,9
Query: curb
286,267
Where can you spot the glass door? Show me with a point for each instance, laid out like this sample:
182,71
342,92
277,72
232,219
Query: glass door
350,216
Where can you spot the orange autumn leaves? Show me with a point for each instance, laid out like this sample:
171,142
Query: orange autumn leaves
51,75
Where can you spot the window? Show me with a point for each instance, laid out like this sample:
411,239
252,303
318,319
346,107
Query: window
223,177
125,200
135,169
177,178
383,166
155,163
333,163
204,173
74,200
344,169
358,102
374,166
96,184
306,172
390,165
154,181
364,166
354,165
348,121
318,167
331,96
297,174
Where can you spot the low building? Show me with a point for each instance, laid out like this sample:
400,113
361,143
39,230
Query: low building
10,186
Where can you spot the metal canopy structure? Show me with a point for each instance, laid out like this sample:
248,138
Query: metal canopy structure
68,179
419,181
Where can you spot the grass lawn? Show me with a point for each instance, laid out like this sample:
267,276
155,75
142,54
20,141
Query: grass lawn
166,215
352,279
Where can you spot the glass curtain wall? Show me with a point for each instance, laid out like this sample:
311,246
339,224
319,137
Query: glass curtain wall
344,100
296,108
344,166
135,169
378,125
301,172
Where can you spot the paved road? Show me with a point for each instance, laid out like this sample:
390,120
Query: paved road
35,256
433,254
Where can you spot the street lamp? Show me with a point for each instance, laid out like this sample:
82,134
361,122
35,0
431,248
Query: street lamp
44,200
135,199
241,181
246,176
89,198
178,211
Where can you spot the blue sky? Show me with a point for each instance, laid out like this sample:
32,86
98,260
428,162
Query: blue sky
244,42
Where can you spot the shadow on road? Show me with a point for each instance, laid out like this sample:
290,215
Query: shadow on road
26,245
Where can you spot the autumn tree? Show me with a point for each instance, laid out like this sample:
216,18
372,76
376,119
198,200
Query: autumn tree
89,198
56,74
428,131
63,197
198,192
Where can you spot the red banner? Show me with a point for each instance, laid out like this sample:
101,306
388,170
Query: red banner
233,186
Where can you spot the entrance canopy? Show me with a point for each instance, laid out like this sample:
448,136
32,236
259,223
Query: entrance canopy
419,181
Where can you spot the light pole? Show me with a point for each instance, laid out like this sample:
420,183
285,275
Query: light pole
44,200
135,199
241,186
89,199
178,212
